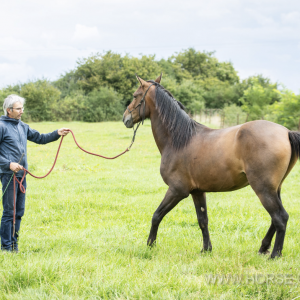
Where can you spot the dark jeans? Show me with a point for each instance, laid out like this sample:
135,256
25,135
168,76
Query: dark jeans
8,241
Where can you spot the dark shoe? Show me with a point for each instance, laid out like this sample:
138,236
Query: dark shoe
6,249
15,248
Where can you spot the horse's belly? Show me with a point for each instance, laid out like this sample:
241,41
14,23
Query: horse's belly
220,179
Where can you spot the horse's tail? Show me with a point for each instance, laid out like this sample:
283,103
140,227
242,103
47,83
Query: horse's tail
294,137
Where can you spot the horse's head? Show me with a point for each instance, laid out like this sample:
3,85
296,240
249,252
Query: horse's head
139,108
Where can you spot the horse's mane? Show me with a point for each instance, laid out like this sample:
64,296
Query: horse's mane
173,115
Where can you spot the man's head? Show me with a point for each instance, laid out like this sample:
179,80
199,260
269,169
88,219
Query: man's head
13,106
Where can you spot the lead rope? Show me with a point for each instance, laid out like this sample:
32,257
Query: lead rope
22,189
40,177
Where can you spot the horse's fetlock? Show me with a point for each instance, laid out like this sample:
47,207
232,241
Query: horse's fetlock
265,246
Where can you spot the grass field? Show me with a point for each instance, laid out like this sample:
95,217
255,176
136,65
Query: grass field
85,229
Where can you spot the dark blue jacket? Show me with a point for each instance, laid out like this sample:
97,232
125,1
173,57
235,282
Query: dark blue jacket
13,142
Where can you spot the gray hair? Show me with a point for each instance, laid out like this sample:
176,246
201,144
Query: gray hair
10,100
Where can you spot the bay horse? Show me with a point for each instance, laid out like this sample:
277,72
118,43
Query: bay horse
196,159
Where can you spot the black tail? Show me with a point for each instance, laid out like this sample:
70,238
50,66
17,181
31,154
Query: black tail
294,137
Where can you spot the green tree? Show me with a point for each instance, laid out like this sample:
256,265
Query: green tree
287,111
202,65
103,104
218,94
9,90
234,115
188,93
71,107
67,84
114,71
257,98
40,98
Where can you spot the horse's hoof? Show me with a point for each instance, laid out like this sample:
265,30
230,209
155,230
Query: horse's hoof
272,256
151,243
206,250
264,252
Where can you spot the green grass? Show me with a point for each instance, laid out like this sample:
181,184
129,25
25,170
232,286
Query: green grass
85,229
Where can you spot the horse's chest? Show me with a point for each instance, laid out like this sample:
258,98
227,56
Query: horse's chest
171,168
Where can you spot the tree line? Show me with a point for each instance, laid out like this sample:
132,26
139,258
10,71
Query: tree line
101,86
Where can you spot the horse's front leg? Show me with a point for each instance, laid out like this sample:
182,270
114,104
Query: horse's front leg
171,199
201,210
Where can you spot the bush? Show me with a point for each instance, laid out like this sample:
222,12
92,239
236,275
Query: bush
114,71
218,94
188,93
70,108
287,111
40,96
257,99
233,115
103,104
8,91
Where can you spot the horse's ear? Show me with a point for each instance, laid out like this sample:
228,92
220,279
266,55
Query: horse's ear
142,82
158,79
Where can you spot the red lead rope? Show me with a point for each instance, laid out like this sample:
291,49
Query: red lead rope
40,177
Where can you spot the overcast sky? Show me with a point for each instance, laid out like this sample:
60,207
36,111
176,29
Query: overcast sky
45,38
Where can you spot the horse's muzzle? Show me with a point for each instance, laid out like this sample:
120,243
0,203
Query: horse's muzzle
128,122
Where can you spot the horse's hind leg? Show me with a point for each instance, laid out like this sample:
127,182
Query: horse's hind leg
271,202
172,198
266,242
201,210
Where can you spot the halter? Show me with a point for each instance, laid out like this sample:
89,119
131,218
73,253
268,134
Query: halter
140,105
141,118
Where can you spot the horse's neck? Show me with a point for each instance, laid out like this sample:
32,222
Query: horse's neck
160,133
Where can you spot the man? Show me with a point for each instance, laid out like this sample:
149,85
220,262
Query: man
13,143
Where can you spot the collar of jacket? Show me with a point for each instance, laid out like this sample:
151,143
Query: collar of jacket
8,119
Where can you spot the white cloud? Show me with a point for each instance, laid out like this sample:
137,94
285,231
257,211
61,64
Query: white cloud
12,73
292,17
46,38
83,32
261,18
11,43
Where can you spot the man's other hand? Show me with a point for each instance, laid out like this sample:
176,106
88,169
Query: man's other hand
15,167
63,131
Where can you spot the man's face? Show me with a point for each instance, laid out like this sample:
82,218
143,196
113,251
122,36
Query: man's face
16,111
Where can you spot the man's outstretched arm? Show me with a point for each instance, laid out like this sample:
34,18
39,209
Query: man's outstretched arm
45,138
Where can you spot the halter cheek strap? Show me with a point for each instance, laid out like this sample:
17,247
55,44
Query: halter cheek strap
140,105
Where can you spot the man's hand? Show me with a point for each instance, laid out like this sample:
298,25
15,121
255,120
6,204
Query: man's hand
15,167
63,131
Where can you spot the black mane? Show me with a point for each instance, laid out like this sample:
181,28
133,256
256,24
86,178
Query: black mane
173,115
